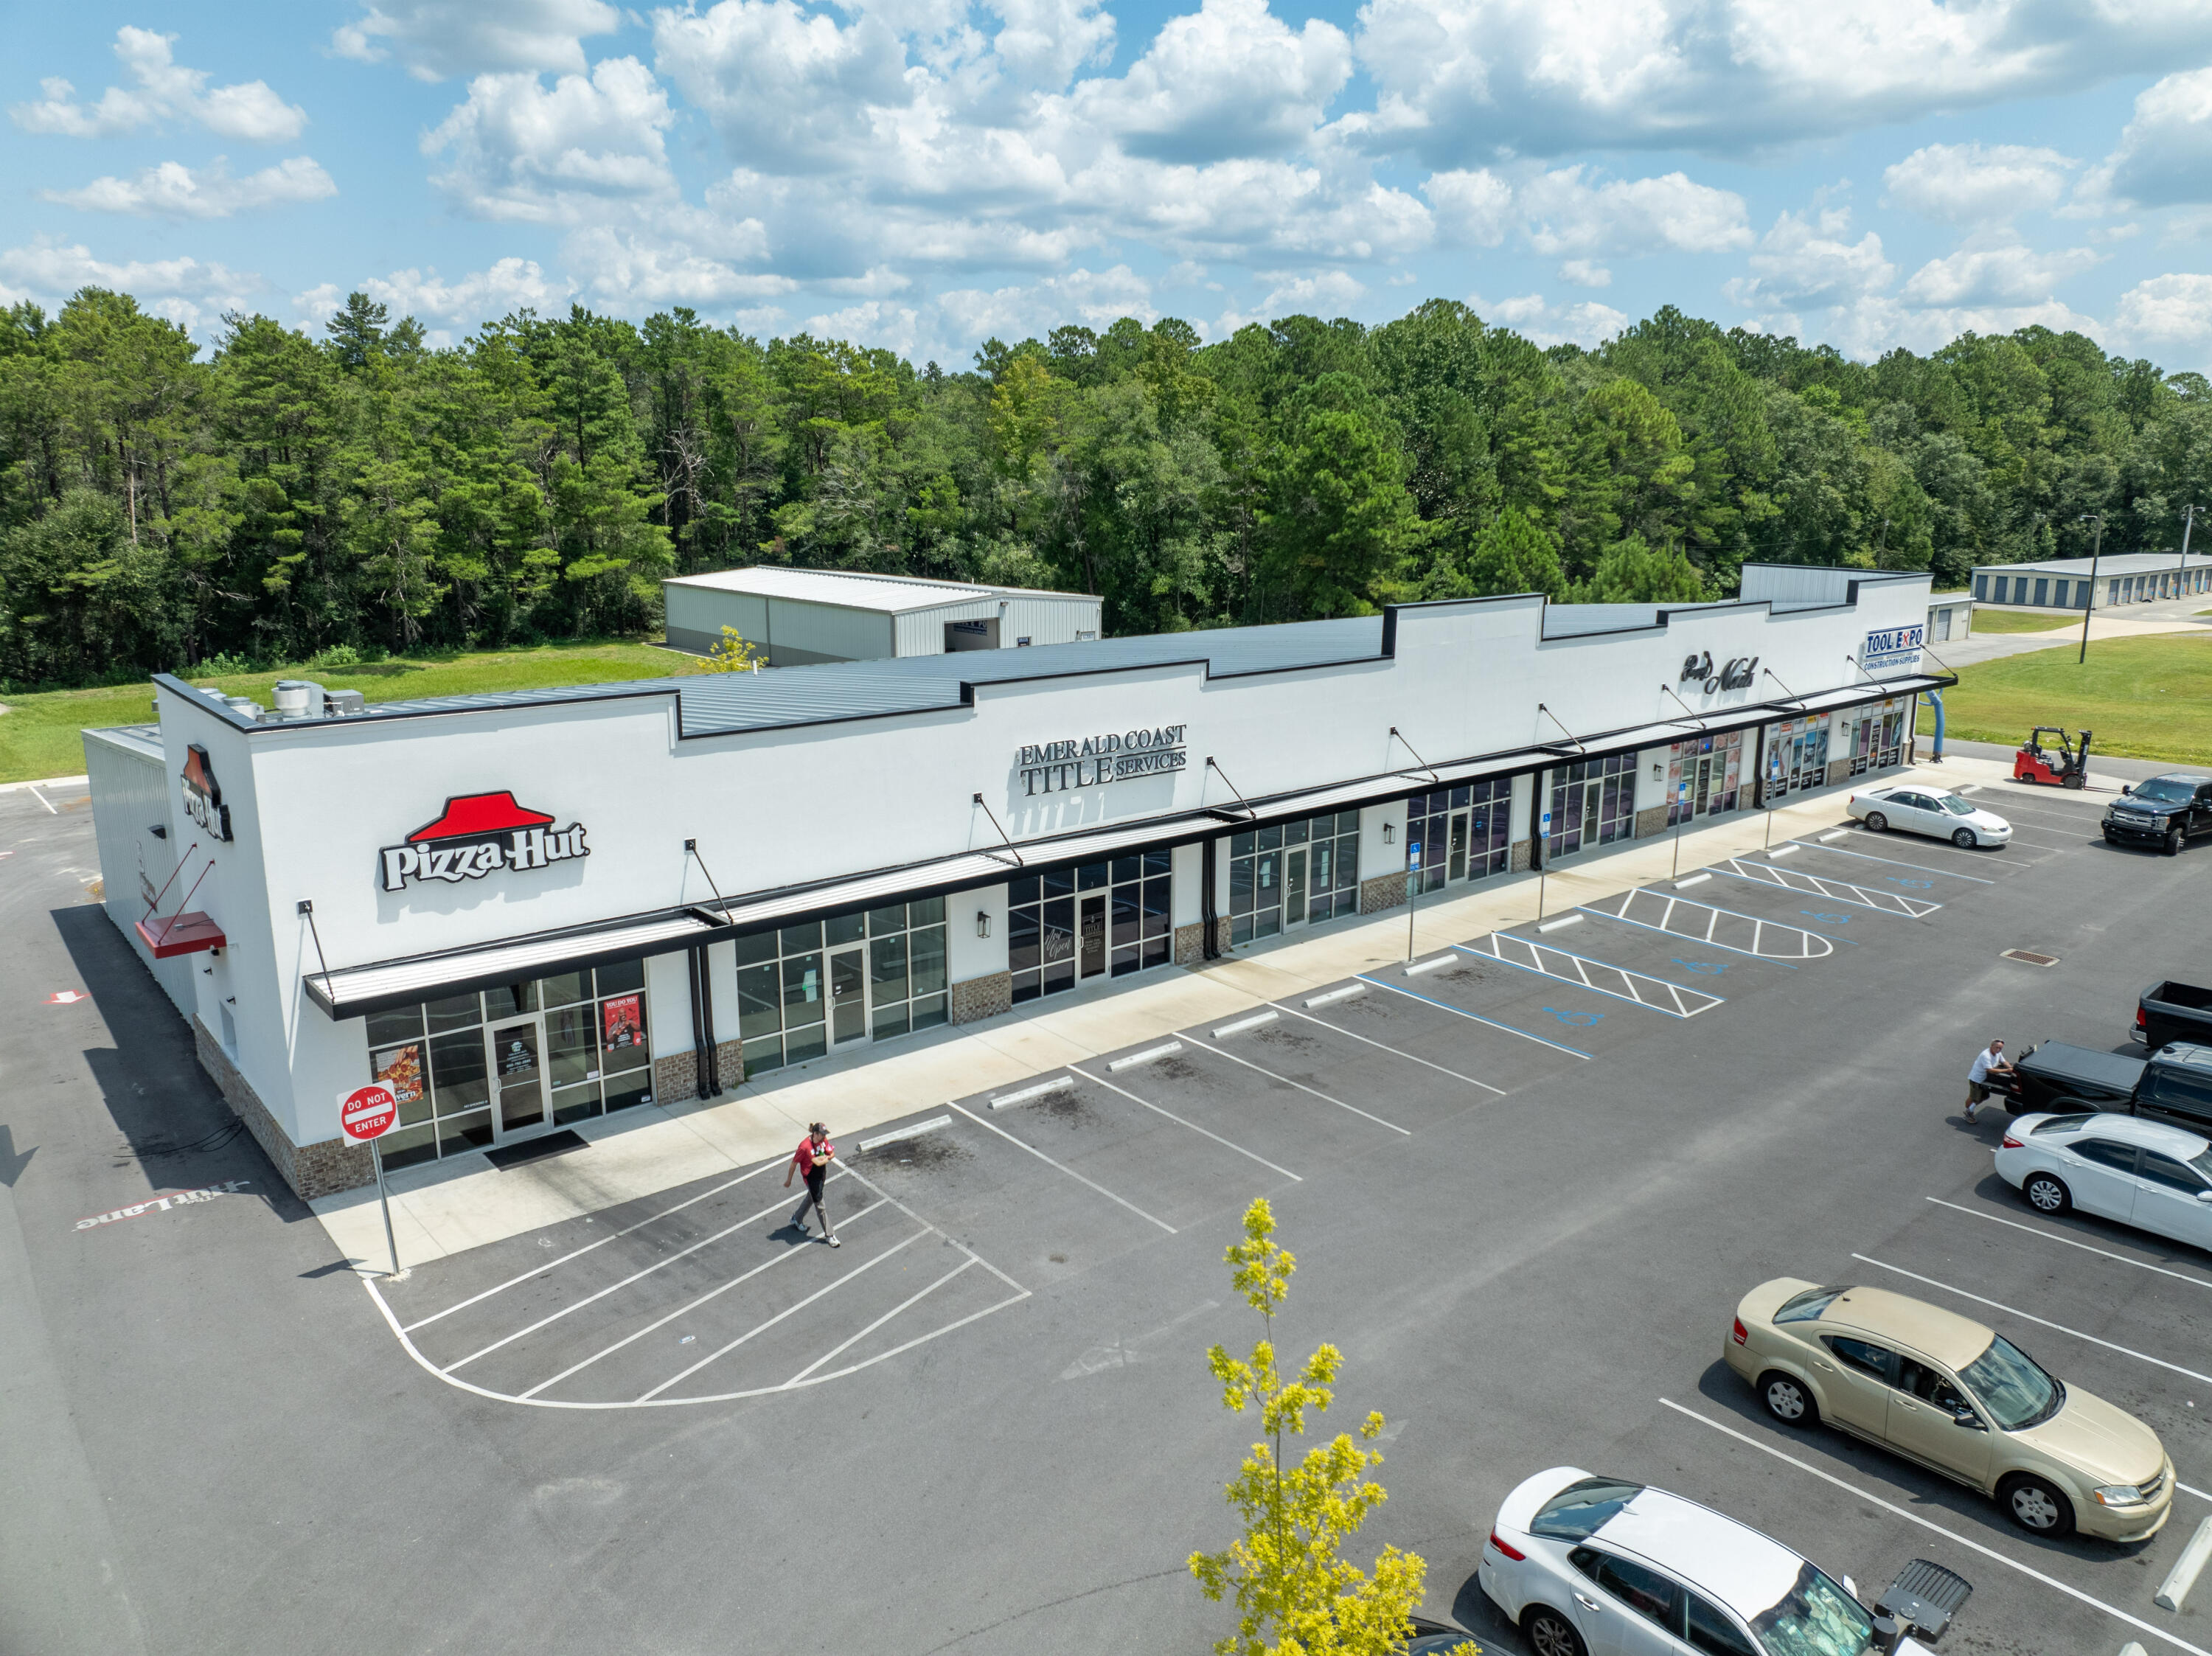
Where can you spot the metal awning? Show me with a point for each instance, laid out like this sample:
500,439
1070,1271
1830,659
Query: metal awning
353,992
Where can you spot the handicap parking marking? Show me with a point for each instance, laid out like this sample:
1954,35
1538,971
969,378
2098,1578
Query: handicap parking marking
1832,891
1394,1052
1460,1011
1673,1000
1093,1184
1928,1523
1869,857
1794,942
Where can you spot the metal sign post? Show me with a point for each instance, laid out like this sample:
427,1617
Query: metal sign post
366,1113
1413,892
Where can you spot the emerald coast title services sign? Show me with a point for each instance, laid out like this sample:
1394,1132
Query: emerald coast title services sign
1090,761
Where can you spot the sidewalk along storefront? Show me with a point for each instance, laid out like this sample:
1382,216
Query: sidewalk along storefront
568,908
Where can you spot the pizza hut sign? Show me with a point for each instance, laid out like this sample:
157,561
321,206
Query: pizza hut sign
477,834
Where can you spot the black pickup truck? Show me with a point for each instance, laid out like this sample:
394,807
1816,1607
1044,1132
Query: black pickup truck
2170,1012
2174,1084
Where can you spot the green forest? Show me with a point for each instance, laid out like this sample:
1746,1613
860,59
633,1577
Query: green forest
283,498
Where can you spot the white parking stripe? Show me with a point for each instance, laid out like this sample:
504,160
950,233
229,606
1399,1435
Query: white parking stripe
763,1328
554,1265
2049,1236
1101,1081
681,1311
925,1225
905,1304
636,1275
1202,1046
1912,1517
1070,1172
1408,1057
1475,1017
1867,856
2041,1322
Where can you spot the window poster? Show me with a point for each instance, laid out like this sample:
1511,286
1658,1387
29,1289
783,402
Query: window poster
623,1021
400,1068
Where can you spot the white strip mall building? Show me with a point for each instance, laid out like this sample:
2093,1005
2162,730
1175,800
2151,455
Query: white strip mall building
524,911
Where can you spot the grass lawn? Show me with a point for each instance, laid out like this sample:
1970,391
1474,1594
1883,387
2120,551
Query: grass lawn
2020,620
38,733
2145,698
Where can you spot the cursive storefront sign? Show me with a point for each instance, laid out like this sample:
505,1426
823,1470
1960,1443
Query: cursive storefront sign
1737,675
1093,760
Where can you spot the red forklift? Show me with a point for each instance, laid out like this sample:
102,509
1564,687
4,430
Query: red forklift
2056,764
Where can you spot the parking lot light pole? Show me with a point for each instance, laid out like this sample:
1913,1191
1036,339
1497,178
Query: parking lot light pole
2096,546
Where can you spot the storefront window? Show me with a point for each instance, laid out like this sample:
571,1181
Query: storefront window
1459,834
590,1027
1878,735
1796,755
869,974
1593,804
1071,924
1293,874
1704,776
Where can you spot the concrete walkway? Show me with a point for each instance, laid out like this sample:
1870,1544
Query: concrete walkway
448,1207
2172,616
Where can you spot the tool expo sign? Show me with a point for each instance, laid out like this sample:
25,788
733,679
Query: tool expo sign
475,835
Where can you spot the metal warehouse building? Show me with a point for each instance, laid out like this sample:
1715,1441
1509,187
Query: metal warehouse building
803,617
2065,582
524,911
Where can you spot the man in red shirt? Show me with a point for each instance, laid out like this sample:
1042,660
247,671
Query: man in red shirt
812,1159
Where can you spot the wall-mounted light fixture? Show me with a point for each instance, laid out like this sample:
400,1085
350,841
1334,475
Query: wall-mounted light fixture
1390,833
1658,771
982,922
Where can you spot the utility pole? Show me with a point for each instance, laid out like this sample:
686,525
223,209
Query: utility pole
2188,523
2095,547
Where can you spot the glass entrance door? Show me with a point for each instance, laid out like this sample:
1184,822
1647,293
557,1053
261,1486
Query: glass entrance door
1701,796
518,1077
1456,839
849,996
1090,942
1294,886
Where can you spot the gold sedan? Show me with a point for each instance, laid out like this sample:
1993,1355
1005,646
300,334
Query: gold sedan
1954,1396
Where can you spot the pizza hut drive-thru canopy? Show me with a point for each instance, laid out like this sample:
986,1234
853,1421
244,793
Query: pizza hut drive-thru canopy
522,911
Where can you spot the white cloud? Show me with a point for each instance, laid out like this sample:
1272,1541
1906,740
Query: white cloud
1325,293
1474,206
2004,275
1096,299
163,89
438,37
2164,156
173,190
1804,260
1877,323
1465,79
522,151
462,304
632,268
182,289
1585,273
873,322
1585,323
1229,80
1564,215
2175,307
1042,42
1974,183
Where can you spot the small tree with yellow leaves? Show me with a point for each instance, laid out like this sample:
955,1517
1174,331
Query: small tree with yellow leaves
734,654
1295,1595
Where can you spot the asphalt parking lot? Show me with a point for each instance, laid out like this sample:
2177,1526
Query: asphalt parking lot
1527,1182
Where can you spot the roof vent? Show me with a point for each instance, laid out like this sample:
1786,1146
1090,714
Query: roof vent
341,704
299,698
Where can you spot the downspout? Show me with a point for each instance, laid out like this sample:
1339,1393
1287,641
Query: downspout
1935,753
1209,923
698,1028
1536,793
706,1021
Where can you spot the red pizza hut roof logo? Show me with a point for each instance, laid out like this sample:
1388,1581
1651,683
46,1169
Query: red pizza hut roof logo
203,794
476,835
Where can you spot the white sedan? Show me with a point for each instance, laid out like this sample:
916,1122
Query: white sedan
1916,810
1582,1564
2144,1174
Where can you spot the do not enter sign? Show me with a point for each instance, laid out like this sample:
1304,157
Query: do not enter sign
368,1111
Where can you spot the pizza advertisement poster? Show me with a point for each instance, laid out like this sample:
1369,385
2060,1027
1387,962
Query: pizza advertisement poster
623,1021
400,1068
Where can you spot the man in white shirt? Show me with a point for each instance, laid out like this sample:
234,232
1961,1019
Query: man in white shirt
1989,1061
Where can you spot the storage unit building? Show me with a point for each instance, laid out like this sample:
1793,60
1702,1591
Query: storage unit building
2121,578
802,617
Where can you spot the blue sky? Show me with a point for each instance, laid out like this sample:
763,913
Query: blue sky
923,173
